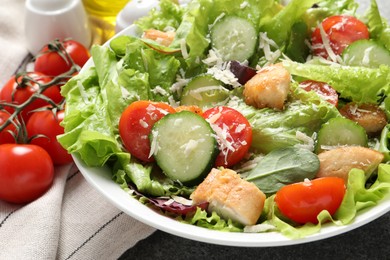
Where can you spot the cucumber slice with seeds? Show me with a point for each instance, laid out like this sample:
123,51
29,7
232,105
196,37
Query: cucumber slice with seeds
234,38
340,131
184,146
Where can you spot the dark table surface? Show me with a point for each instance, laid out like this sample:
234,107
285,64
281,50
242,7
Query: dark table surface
371,241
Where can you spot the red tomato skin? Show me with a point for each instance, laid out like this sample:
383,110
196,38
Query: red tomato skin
240,139
22,94
48,124
303,201
26,172
52,64
341,30
5,135
323,89
136,123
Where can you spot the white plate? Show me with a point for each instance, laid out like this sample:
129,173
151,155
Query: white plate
100,178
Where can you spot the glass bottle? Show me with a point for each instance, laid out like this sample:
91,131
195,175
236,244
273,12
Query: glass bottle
102,16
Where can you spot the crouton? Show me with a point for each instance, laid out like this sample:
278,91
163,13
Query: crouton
230,196
372,118
339,161
268,88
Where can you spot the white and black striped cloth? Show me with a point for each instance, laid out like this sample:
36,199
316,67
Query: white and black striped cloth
72,220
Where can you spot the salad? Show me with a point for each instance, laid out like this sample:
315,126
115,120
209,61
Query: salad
241,116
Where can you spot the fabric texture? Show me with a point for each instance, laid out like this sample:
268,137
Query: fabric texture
71,220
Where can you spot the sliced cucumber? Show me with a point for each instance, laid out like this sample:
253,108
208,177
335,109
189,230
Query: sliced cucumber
366,53
340,131
234,38
184,146
204,91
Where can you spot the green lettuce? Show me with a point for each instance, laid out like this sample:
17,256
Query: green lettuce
168,15
278,28
378,27
358,84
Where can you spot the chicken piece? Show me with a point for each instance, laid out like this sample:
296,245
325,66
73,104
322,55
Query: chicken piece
230,196
268,88
339,161
372,118
163,38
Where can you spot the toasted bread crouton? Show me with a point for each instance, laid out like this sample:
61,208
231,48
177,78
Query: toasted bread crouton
268,88
339,161
230,196
371,117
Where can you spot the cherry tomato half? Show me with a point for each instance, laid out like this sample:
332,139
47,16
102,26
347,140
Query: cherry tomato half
341,30
5,135
136,123
324,90
26,173
17,94
45,126
51,63
303,201
234,134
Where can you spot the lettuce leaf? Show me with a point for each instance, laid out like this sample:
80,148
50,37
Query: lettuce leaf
278,28
359,84
168,15
378,27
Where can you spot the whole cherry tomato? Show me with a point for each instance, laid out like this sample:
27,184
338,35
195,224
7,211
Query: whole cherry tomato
234,134
44,126
50,62
26,173
340,31
17,91
136,123
303,201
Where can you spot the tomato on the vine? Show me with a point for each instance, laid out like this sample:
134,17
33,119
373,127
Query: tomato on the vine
234,132
5,135
43,127
303,201
17,91
136,123
341,31
26,173
50,62
324,90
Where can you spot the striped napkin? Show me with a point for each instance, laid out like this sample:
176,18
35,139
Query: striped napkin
71,220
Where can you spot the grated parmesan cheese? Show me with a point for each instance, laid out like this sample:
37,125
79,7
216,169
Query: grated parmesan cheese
308,142
153,145
220,69
182,200
183,48
159,90
244,4
143,123
326,44
259,228
265,44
